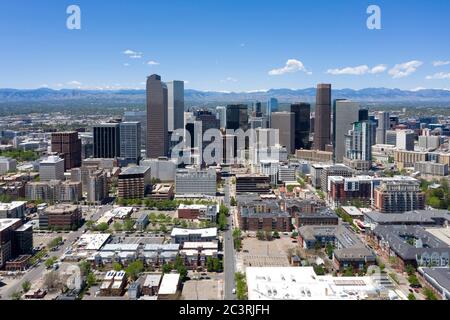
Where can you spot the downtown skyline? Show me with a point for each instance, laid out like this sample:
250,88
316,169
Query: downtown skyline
225,46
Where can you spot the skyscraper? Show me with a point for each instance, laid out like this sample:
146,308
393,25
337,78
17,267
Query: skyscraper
345,113
237,117
322,134
272,106
221,114
140,116
284,122
68,145
130,142
175,105
107,140
358,146
384,123
157,118
302,113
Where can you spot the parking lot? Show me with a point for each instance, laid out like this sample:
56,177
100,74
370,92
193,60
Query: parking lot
256,253
132,239
203,290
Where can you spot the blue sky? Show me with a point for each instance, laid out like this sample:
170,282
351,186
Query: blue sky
225,45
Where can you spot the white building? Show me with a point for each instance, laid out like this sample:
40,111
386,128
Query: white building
51,168
302,283
7,165
405,140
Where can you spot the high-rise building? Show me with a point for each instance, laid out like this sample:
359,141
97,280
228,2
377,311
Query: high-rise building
196,182
237,117
400,194
358,146
221,114
257,109
51,168
134,183
107,140
322,127
15,239
272,106
130,142
139,116
157,118
68,146
284,122
405,140
7,165
345,113
302,113
175,105
384,123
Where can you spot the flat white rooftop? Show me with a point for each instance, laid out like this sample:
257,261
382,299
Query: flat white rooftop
302,283
204,233
93,241
169,284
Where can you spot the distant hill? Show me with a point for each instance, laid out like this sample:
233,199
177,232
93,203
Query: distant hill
196,96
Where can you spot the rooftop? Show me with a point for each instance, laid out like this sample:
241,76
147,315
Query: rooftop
7,223
204,233
169,284
302,283
135,170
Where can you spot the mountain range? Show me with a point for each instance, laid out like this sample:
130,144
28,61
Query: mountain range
196,96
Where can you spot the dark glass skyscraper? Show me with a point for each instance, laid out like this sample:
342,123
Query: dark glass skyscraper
157,118
107,140
322,130
302,113
237,117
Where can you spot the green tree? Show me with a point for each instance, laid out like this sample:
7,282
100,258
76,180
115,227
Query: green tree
319,270
260,235
117,226
50,262
217,265
117,266
167,268
349,272
329,250
241,286
276,234
102,227
411,296
134,269
410,270
233,202
85,267
17,295
26,286
91,279
222,221
429,294
413,281
209,264
128,225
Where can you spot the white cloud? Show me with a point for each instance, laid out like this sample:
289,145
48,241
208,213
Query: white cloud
74,83
229,79
126,64
440,63
292,66
405,69
153,63
378,69
133,54
359,70
439,76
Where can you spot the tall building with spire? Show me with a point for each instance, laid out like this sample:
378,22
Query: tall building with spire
157,118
